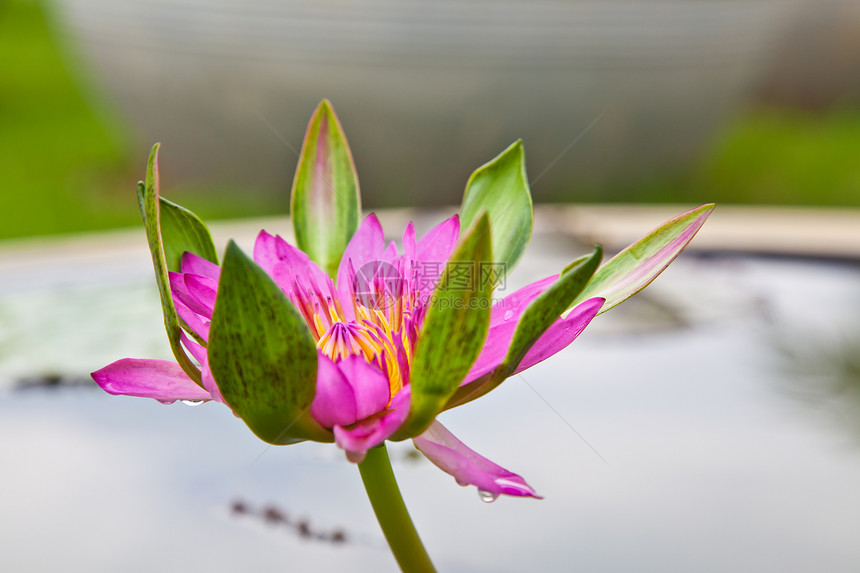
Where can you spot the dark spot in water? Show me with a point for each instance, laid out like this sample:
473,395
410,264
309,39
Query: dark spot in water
238,508
52,381
338,536
274,516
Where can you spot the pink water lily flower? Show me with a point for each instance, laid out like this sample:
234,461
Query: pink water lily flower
347,339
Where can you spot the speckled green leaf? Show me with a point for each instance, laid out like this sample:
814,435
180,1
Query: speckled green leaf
149,201
454,330
262,354
635,267
181,231
325,202
535,320
501,188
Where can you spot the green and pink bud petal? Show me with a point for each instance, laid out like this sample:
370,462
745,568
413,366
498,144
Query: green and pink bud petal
635,267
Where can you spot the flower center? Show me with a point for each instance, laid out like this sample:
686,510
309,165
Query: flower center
387,316
384,339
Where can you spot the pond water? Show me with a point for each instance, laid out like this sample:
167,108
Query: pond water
709,425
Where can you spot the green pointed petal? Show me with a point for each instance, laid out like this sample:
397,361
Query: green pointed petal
325,203
148,199
535,320
262,354
501,188
454,331
181,231
635,267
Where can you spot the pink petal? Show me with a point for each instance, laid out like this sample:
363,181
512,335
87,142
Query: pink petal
561,333
348,391
165,381
192,264
369,385
199,354
390,253
204,291
371,432
196,322
558,336
468,467
285,264
180,288
439,242
209,383
410,248
334,402
266,251
367,245
508,310
433,251
504,319
196,350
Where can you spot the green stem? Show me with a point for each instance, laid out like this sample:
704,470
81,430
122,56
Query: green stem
391,512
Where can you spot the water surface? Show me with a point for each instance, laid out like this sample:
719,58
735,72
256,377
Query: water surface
704,427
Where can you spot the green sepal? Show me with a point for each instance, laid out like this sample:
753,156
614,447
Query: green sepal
149,201
635,267
454,331
183,231
325,204
501,188
262,355
540,314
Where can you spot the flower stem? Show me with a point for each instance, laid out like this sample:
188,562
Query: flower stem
391,512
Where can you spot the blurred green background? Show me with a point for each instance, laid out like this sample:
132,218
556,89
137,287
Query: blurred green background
70,154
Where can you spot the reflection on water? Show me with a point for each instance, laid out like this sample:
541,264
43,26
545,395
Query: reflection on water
822,371
709,468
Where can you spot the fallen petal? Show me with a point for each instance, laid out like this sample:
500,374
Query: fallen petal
468,467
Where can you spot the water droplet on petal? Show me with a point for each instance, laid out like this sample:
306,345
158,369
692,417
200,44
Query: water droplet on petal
508,315
487,496
192,402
